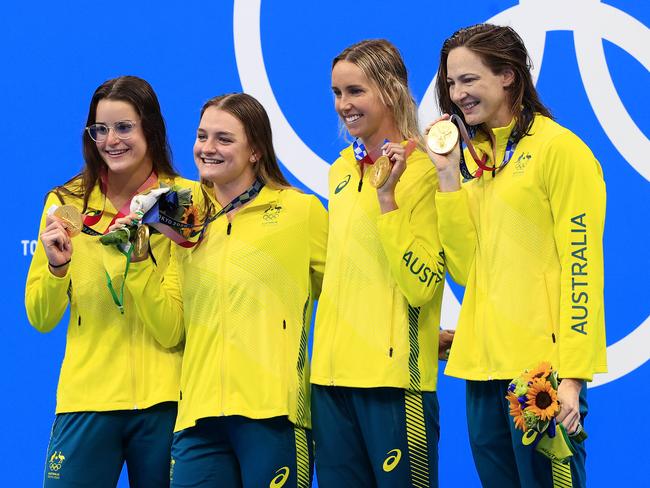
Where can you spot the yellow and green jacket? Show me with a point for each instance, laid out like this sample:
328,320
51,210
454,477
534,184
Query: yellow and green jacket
112,361
242,301
527,244
379,312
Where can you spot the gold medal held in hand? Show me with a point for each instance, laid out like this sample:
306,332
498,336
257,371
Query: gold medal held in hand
380,171
442,137
141,244
70,216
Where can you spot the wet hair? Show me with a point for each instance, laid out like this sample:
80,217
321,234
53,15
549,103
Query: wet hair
500,48
381,62
257,128
140,95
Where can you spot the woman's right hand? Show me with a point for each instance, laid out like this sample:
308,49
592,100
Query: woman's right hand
57,245
448,165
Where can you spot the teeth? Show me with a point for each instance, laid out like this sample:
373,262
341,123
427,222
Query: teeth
212,161
352,118
117,152
469,106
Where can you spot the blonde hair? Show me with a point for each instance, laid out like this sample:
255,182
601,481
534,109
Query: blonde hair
381,62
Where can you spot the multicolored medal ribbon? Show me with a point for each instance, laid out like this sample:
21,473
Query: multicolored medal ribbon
166,223
382,166
444,135
363,157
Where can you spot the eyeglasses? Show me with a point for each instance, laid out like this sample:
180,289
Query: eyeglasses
122,129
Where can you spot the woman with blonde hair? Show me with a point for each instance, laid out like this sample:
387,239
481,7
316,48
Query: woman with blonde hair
375,354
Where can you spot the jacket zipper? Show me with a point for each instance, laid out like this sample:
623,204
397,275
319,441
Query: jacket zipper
338,291
132,361
222,265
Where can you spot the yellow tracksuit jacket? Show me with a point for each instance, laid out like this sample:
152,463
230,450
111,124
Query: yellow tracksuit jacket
527,243
112,361
242,299
379,312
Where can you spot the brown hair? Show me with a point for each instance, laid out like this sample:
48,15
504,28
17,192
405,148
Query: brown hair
384,67
500,48
257,127
140,95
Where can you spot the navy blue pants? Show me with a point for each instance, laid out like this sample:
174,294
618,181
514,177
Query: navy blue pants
88,449
501,460
235,452
375,437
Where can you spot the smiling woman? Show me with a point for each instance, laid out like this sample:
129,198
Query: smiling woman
375,367
246,291
118,386
541,199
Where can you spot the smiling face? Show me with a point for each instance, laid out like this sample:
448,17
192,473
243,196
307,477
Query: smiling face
480,94
359,105
125,157
222,153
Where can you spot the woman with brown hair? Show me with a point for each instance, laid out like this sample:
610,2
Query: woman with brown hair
242,300
118,387
523,233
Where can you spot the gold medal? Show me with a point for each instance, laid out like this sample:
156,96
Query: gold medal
141,244
380,171
443,137
70,216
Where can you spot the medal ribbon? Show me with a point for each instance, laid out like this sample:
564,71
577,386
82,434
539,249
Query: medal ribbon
90,220
125,210
466,139
362,155
119,301
238,201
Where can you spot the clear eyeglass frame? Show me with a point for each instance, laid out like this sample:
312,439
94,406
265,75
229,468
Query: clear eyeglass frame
123,130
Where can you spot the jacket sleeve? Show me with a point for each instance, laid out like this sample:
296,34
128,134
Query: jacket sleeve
457,233
409,237
575,187
46,295
157,298
318,228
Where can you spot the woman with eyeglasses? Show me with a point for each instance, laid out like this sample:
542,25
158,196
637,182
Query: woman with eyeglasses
119,381
525,238
244,294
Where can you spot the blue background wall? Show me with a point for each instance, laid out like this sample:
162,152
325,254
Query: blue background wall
592,60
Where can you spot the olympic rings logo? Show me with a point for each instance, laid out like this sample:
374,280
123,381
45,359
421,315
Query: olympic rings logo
590,20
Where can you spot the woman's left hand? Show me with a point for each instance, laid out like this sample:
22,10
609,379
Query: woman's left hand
568,394
131,219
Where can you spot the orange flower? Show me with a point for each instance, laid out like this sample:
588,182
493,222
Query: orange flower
542,371
542,399
515,411
190,216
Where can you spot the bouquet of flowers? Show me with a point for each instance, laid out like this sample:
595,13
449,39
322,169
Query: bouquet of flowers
168,210
534,406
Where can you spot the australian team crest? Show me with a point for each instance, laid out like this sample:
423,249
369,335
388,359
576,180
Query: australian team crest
272,213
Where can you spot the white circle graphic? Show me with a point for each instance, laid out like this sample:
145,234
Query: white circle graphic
589,20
